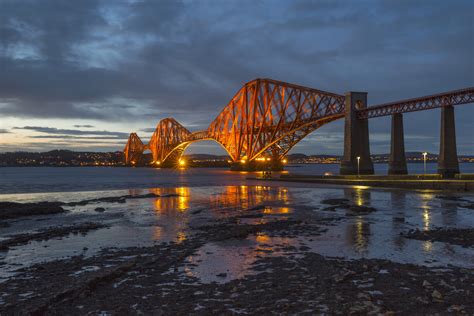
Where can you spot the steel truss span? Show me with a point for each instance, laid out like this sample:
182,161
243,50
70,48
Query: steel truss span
266,118
457,97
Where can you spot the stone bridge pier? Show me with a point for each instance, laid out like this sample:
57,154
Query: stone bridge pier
356,158
448,164
397,163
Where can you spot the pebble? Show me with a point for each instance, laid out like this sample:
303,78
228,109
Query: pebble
437,296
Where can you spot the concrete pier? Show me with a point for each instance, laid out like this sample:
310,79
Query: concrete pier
356,137
448,164
397,163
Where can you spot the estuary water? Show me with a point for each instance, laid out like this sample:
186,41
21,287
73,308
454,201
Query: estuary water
185,199
71,179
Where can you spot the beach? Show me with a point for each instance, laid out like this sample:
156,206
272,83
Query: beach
233,249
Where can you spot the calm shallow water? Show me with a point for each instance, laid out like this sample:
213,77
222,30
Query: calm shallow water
48,179
203,196
144,222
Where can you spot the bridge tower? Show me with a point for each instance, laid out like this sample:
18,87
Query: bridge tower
356,158
397,163
448,164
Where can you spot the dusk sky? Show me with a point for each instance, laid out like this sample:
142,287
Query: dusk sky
82,75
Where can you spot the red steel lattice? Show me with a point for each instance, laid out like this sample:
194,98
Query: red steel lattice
268,117
456,97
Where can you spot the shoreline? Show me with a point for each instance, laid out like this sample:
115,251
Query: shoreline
411,182
223,250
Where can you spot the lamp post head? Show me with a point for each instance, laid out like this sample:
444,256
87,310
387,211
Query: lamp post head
358,157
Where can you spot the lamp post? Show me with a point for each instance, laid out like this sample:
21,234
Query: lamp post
424,163
358,165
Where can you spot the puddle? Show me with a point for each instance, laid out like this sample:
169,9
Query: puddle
234,259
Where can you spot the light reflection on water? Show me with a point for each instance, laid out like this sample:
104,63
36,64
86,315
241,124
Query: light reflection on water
142,222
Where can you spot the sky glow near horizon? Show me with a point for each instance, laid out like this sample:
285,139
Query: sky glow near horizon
82,75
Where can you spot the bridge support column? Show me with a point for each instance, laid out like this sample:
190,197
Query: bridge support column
397,163
448,164
356,137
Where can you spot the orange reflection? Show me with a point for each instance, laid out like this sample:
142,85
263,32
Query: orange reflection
262,238
180,237
157,233
277,210
242,197
172,199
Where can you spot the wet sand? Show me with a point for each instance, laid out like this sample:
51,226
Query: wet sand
240,249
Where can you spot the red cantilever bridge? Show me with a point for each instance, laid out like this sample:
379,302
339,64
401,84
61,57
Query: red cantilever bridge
266,118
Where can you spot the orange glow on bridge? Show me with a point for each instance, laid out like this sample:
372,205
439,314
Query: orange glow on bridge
266,118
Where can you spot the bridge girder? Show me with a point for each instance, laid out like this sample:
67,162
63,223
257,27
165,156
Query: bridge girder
265,117
169,134
133,149
456,97
268,117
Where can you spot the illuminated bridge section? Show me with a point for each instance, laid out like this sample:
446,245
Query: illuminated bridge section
266,118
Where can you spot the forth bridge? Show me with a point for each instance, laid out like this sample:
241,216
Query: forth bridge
266,118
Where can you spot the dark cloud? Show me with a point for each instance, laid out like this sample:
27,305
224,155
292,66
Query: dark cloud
146,60
78,137
84,126
53,130
147,130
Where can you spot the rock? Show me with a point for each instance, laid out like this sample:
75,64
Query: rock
340,278
10,210
456,308
427,284
422,300
361,209
221,275
99,209
437,296
335,201
364,296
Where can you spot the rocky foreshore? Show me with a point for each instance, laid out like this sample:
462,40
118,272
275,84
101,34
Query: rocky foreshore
282,278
